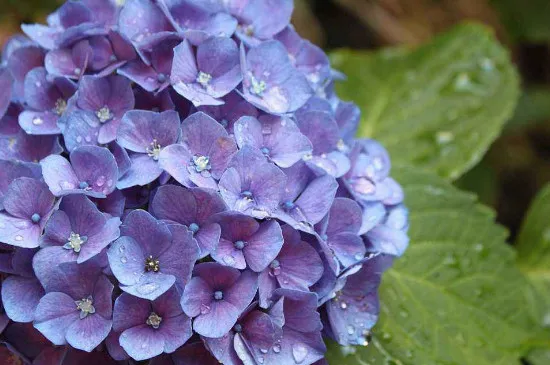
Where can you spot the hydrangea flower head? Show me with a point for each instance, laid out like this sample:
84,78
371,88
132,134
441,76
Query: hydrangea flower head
179,183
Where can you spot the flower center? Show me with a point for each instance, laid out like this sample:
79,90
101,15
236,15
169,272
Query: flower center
35,218
239,245
201,163
154,150
257,87
288,205
265,151
154,320
204,79
75,242
275,264
83,185
238,328
85,306
104,114
161,78
152,264
218,295
194,227
60,106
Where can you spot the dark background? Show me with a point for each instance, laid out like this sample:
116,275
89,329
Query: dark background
518,164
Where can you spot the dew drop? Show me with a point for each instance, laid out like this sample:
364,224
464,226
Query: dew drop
79,139
19,238
351,330
277,349
100,181
123,259
344,305
299,353
229,260
88,139
205,309
263,351
147,288
37,121
444,137
143,345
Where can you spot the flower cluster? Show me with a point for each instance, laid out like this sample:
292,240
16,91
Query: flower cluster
179,182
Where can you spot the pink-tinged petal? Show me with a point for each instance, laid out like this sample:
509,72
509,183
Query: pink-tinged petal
201,131
59,175
263,246
175,160
218,320
54,315
143,171
20,296
87,333
142,342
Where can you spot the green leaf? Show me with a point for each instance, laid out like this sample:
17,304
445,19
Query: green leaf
456,297
438,107
526,19
533,246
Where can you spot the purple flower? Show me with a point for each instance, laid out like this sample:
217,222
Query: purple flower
108,98
6,84
142,22
216,296
338,234
234,108
193,208
390,237
198,20
260,20
47,99
11,170
297,266
354,309
145,134
307,58
153,75
301,342
270,81
78,231
278,138
28,204
202,156
322,130
251,184
76,314
28,148
246,243
307,197
91,171
21,291
213,73
150,328
19,61
254,334
150,256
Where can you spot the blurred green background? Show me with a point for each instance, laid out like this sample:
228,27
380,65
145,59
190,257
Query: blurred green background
518,164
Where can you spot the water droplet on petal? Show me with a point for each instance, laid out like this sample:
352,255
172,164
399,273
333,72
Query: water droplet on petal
148,288
351,330
229,260
299,353
277,349
19,238
123,259
205,309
